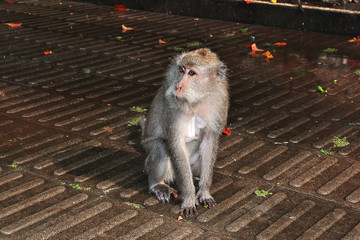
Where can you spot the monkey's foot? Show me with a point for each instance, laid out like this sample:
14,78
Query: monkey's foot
208,202
206,199
163,192
188,208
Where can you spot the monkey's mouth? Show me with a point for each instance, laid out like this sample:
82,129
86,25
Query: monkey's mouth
180,98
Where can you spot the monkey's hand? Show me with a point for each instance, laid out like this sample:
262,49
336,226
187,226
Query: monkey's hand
206,199
188,207
163,192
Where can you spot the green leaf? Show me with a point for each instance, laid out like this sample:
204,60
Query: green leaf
262,193
194,44
357,72
243,30
340,142
138,206
14,165
178,49
135,122
118,37
188,222
138,109
320,89
330,50
76,186
326,152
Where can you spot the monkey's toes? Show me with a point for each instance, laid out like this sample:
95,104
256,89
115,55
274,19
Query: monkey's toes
188,211
210,202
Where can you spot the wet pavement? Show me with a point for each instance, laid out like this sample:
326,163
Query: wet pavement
71,166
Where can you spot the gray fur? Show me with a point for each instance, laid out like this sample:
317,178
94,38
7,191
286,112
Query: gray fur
169,157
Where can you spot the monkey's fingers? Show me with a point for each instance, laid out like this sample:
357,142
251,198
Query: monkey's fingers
174,193
163,197
163,192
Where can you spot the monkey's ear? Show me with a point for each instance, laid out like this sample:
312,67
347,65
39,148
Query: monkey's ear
221,73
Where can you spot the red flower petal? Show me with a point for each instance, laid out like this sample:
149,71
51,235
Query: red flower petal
280,44
120,8
227,131
13,24
254,48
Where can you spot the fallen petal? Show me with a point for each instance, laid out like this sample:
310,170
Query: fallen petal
120,8
124,28
280,44
255,49
161,41
13,24
227,131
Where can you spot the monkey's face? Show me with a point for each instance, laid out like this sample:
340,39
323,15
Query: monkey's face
193,84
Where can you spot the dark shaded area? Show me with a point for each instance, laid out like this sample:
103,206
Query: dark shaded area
330,17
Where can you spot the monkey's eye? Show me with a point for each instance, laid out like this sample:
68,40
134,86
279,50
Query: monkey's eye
192,73
181,70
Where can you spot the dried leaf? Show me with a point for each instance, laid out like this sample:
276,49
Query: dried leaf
268,55
355,39
124,28
13,25
180,218
161,41
48,52
2,93
108,129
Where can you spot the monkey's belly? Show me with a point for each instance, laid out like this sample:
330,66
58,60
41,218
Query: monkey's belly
194,126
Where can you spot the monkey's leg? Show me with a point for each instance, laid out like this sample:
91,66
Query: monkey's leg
157,166
208,155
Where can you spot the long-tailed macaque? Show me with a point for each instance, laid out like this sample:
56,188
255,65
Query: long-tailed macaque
182,128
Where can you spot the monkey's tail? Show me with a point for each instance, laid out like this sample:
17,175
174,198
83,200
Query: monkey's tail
142,125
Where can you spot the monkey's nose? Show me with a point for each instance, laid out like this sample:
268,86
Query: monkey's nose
178,87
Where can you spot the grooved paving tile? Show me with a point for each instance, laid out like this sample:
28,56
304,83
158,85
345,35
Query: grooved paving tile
59,212
71,166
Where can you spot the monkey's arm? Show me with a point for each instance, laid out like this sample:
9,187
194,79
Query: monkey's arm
208,152
184,177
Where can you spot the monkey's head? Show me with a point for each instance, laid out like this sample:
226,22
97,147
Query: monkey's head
195,75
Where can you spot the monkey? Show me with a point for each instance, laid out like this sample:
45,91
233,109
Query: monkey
182,128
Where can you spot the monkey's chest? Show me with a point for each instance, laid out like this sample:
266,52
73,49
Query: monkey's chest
194,127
